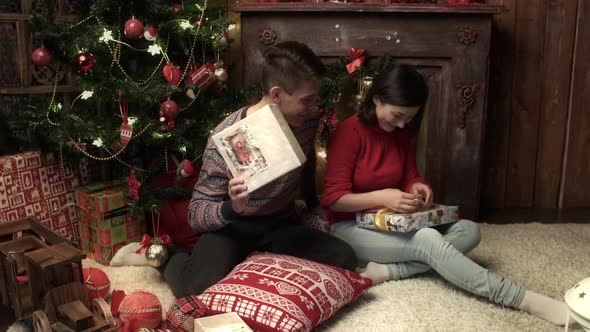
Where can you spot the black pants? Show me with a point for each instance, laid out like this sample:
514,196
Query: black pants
216,253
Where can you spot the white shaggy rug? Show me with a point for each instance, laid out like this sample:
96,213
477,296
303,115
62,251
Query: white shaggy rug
548,259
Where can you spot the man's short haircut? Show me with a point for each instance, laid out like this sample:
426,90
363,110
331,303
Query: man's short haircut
288,65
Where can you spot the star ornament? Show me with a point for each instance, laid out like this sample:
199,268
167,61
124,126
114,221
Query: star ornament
107,36
86,94
582,295
154,49
185,24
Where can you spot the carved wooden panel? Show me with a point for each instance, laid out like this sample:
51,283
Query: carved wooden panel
9,73
10,6
450,49
17,73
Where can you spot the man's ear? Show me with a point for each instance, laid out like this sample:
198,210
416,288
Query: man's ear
275,94
376,100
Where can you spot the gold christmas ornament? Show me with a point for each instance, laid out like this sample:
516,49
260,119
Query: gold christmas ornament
363,87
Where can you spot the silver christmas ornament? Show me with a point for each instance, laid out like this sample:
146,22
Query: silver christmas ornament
221,74
156,254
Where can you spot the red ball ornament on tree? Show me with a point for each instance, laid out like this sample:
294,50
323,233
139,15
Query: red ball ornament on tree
176,7
84,62
172,73
97,283
185,168
150,33
133,28
41,57
168,112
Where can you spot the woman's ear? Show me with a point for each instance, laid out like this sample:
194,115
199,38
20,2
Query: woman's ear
275,94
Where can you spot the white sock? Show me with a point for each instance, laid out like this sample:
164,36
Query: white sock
544,307
378,273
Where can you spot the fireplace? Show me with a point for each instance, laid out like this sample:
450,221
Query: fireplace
449,45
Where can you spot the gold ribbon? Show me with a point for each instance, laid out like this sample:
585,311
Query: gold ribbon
380,218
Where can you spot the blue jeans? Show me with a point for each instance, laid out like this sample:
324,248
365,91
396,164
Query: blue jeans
441,248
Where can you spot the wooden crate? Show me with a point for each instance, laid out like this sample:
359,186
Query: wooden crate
47,259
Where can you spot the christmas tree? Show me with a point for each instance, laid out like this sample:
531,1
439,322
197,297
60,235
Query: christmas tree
152,86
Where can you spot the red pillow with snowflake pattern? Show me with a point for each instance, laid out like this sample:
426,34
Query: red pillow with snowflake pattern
273,292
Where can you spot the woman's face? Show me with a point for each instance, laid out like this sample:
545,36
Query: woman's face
391,117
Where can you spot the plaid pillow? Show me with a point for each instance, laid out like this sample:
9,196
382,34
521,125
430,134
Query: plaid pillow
183,313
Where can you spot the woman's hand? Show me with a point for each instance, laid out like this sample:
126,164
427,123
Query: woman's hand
424,191
238,193
400,201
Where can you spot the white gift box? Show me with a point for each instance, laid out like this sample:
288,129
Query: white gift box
390,221
260,148
228,322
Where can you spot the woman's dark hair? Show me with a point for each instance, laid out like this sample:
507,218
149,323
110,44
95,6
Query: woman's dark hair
288,65
402,85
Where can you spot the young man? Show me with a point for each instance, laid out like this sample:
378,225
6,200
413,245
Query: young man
232,222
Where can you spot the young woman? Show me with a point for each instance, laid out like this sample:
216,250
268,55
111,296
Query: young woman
372,162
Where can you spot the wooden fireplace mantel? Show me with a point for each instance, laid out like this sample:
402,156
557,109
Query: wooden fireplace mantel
449,45
238,6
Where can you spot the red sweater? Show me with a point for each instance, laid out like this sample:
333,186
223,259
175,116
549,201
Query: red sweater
366,158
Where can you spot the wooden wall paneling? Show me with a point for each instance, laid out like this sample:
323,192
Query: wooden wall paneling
9,61
524,123
576,189
497,140
557,64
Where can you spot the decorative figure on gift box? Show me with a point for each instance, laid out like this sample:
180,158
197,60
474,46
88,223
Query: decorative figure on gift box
246,155
373,152
243,155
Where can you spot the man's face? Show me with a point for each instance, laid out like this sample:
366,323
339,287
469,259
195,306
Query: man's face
297,105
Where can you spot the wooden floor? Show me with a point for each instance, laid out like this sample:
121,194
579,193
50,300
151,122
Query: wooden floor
505,216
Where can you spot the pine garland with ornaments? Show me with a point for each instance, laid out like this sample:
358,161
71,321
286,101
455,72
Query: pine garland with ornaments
152,81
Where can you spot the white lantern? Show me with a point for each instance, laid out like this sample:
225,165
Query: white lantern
578,301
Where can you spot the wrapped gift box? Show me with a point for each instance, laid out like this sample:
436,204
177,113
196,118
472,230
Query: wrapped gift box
228,322
260,148
105,223
389,221
37,184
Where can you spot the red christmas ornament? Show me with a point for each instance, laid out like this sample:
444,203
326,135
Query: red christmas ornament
141,308
133,28
176,7
202,77
84,62
41,57
150,33
97,283
185,168
168,112
172,73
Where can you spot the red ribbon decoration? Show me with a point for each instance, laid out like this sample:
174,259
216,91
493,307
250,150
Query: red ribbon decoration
134,185
147,240
357,59
123,106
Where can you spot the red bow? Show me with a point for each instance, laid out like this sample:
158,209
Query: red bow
357,59
147,240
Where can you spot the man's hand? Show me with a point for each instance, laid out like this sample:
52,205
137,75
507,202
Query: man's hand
238,193
424,191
